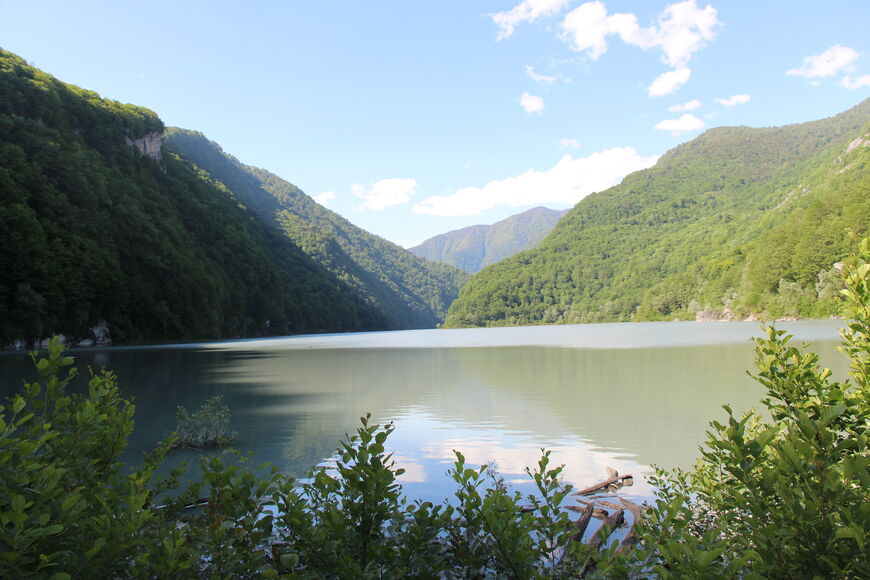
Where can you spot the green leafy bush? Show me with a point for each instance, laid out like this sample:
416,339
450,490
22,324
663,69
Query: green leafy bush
69,508
207,427
353,522
786,496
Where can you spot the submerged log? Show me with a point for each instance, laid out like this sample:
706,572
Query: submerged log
636,510
612,522
610,505
594,507
597,512
631,538
609,524
582,523
609,482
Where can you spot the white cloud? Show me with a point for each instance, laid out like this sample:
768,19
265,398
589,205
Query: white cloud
856,82
687,122
734,100
669,82
572,143
688,106
539,78
324,197
682,30
567,182
827,64
531,103
525,11
385,193
586,29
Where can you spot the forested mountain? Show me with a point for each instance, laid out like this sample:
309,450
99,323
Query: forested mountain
407,291
738,220
476,247
102,227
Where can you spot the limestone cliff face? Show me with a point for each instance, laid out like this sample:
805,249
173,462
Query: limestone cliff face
148,145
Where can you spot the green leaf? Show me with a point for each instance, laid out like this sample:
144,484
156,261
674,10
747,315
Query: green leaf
853,532
829,413
704,559
52,529
98,545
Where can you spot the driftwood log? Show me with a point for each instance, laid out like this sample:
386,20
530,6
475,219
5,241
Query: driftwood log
614,481
597,513
609,524
630,538
582,523
597,506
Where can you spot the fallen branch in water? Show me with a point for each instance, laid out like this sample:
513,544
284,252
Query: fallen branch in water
582,523
597,513
608,505
630,538
609,524
615,480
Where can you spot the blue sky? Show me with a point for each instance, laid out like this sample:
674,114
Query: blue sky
414,118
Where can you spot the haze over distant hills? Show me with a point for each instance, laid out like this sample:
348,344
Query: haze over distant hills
476,247
737,222
107,227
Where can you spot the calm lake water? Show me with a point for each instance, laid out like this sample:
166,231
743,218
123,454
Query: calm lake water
621,395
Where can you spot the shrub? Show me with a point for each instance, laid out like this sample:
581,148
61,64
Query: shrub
69,508
782,496
353,522
207,427
66,506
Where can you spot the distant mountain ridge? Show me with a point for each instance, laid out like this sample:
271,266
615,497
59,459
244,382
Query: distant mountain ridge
475,247
109,231
734,223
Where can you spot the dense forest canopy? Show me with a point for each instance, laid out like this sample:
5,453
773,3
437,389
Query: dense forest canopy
748,220
102,228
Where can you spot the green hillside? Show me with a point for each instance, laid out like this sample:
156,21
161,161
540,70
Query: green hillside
752,220
476,247
103,227
407,291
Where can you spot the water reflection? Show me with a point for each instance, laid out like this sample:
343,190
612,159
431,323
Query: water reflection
625,408
425,446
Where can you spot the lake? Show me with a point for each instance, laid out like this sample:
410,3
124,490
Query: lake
625,395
